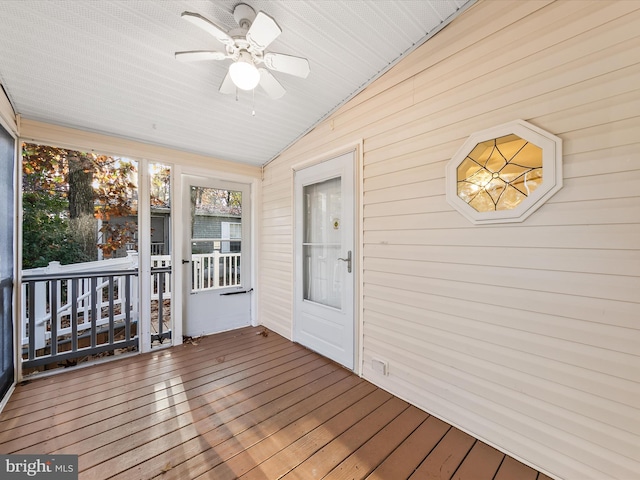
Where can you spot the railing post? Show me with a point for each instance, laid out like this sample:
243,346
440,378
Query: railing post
216,269
134,288
132,256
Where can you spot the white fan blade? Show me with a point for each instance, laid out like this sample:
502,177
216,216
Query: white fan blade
280,62
270,85
263,31
208,26
198,55
227,86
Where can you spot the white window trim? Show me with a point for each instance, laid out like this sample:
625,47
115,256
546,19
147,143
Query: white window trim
551,146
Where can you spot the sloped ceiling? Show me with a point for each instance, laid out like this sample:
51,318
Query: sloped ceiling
108,66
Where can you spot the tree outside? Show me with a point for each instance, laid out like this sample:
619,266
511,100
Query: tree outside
77,206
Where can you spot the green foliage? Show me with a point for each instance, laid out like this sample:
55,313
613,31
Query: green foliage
53,231
46,232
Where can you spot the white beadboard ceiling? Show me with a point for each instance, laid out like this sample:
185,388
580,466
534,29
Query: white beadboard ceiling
108,66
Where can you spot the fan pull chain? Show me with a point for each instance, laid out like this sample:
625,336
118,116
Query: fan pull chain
253,108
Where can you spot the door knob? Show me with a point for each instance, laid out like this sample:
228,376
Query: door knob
185,262
348,260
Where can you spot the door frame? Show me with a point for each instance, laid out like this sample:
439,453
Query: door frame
357,149
177,226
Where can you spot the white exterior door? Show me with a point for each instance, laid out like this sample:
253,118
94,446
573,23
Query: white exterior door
216,264
324,317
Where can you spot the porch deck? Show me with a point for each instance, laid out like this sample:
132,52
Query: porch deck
246,404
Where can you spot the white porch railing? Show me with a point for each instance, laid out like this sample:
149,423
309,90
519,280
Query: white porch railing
88,323
214,270
91,295
161,286
83,302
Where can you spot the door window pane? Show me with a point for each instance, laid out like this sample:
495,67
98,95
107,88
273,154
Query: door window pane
216,238
322,272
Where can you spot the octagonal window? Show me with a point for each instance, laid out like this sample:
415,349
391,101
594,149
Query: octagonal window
505,173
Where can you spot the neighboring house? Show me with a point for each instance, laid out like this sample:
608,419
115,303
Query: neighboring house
208,225
525,335
222,227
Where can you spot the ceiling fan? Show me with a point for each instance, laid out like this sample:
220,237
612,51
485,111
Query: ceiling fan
246,45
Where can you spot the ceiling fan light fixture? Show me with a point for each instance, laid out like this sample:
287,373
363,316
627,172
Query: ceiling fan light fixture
246,46
244,73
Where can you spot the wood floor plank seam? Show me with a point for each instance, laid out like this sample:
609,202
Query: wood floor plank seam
434,461
436,432
397,458
463,459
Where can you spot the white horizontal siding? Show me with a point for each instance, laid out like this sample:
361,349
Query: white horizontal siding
525,335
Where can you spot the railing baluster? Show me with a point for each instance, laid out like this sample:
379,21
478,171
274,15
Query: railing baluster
32,320
94,311
160,305
86,302
58,298
54,317
225,280
111,310
127,304
216,269
74,314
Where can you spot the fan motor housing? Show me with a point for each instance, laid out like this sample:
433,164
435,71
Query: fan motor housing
244,15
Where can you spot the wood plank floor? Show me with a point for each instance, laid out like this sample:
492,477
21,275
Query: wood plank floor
243,404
